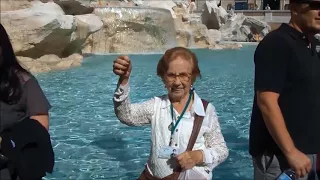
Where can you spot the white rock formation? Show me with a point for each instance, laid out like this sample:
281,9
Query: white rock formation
233,27
46,39
167,4
45,29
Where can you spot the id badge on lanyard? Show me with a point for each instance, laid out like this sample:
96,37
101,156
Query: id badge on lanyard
168,152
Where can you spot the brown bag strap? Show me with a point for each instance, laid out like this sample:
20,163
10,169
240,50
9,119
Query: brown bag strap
196,127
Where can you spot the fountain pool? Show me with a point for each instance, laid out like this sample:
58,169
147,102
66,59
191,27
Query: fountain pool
90,143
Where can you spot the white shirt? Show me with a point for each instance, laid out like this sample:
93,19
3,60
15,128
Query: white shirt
156,112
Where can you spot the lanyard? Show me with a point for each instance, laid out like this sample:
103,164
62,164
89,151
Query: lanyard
180,117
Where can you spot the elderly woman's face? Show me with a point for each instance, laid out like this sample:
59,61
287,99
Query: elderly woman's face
178,78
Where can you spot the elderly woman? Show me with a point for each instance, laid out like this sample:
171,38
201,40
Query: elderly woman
176,143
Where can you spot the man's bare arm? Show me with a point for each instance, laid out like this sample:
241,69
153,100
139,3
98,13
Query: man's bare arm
273,118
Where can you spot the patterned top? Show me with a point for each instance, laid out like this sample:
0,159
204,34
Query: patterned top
156,112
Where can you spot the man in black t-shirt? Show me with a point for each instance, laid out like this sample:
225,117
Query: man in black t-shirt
285,121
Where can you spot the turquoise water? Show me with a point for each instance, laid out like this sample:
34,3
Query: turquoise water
90,143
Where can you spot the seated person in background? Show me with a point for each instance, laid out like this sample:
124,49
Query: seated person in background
173,117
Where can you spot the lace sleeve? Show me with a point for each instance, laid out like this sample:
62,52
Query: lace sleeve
216,149
131,114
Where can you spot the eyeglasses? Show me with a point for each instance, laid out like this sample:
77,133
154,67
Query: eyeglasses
182,76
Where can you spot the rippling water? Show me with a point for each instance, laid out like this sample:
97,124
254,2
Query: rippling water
90,143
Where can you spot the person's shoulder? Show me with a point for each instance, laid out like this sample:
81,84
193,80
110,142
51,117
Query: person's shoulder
210,106
205,102
211,111
276,40
276,36
207,105
25,76
161,100
162,97
27,79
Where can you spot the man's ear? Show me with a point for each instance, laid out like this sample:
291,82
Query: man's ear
293,7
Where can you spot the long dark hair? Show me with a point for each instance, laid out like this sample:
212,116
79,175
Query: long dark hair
10,81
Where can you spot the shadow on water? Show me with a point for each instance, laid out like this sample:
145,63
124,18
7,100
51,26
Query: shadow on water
236,166
114,146
129,151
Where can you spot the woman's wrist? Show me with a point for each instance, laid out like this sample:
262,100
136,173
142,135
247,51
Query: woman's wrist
123,81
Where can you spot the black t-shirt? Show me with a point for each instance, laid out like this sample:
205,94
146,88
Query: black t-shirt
32,102
287,65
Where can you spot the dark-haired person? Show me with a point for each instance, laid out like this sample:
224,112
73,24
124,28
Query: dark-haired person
173,117
284,130
20,94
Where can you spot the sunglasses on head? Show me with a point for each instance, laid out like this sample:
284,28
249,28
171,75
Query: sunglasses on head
314,5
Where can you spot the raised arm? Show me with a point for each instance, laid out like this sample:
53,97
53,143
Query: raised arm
129,114
216,150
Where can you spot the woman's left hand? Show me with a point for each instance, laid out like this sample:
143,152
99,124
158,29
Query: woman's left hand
189,159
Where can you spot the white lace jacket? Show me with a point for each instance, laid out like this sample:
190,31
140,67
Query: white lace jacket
156,112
